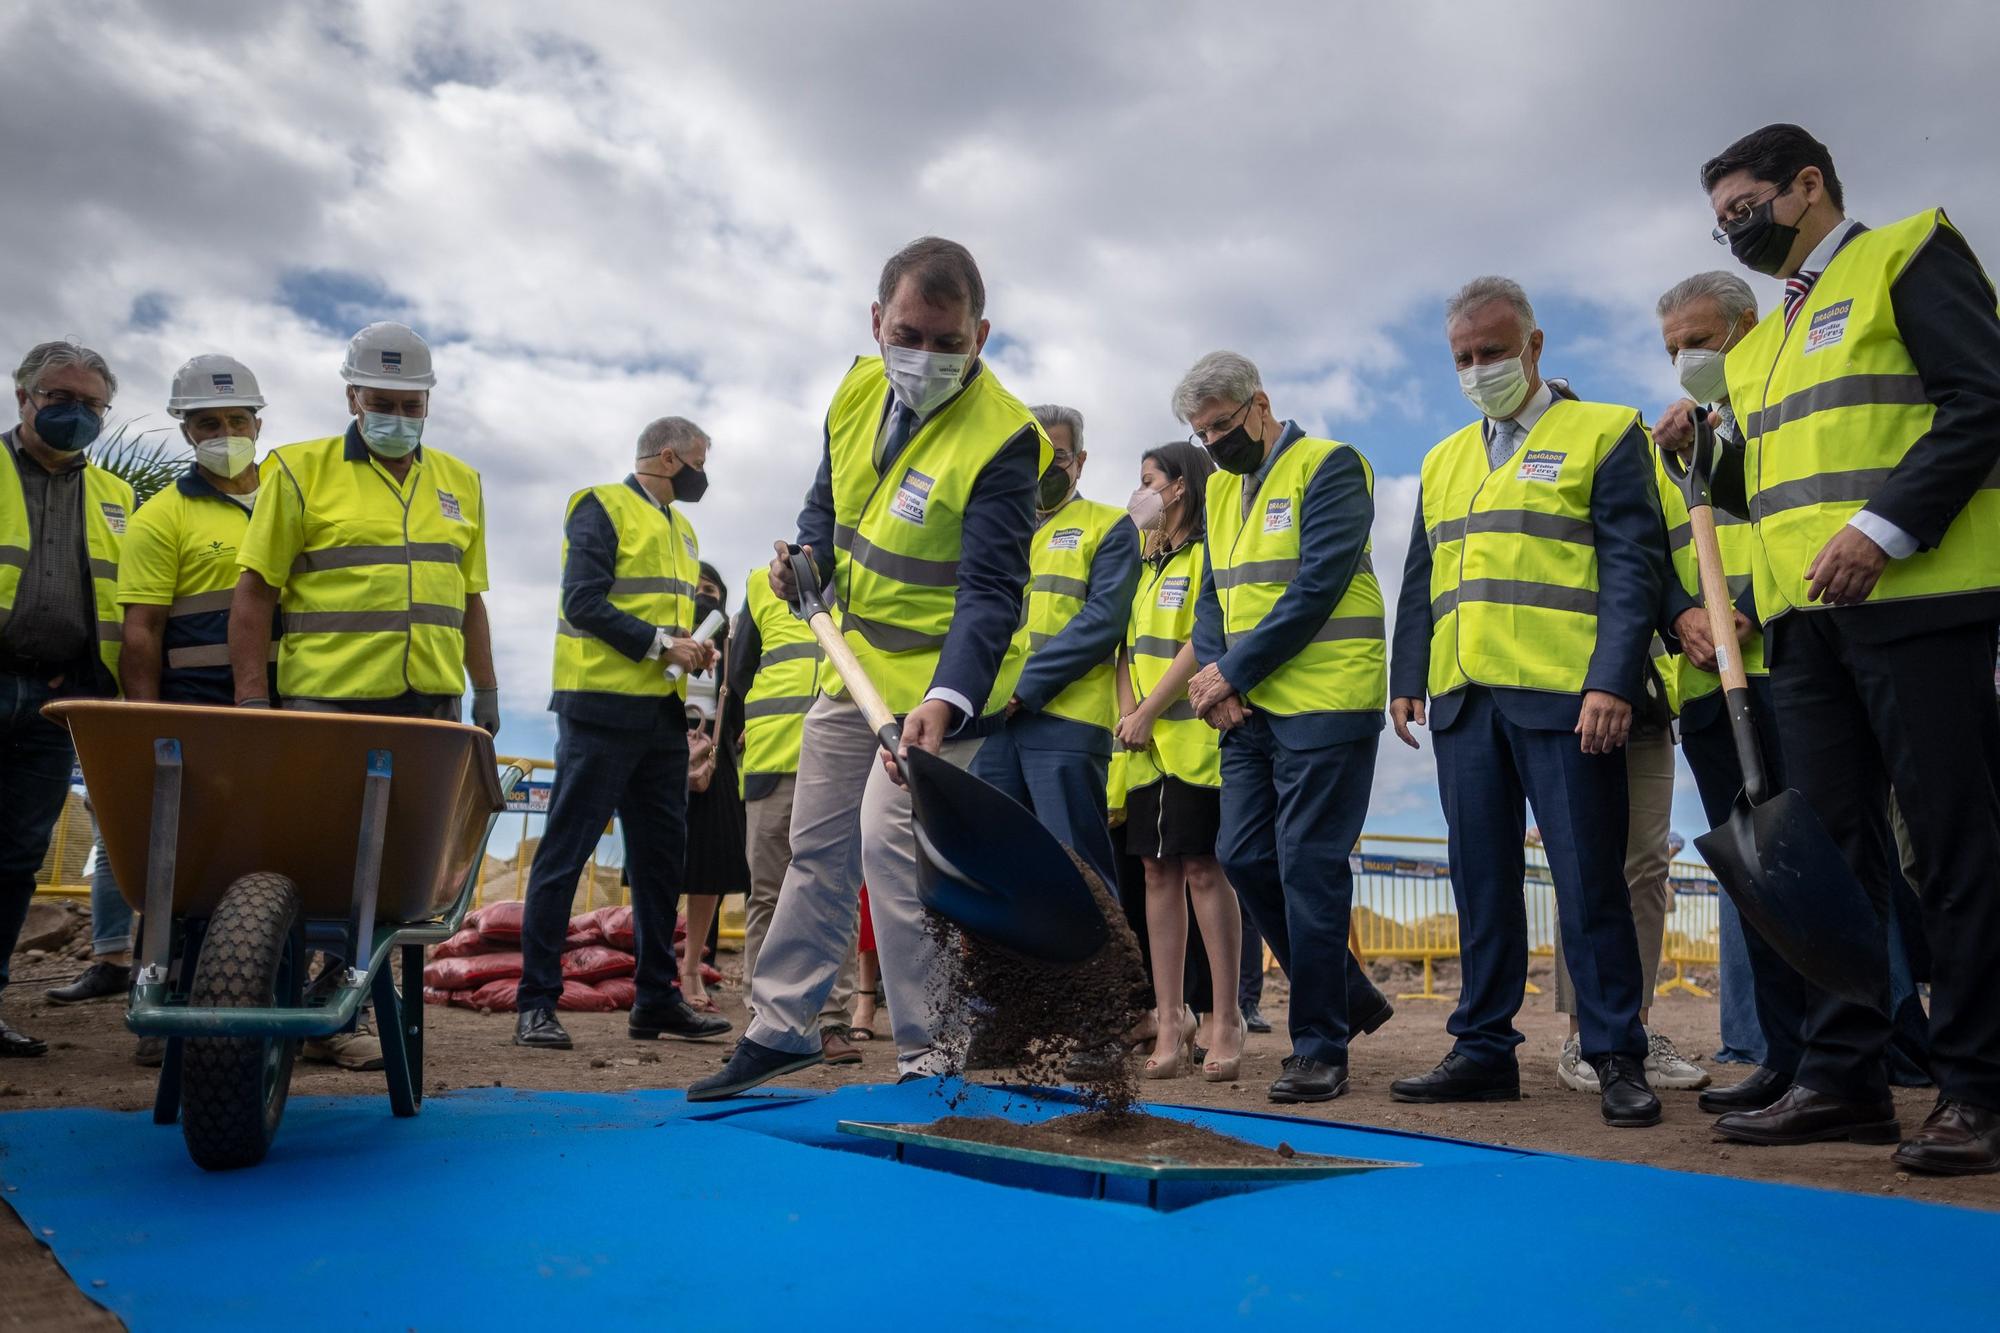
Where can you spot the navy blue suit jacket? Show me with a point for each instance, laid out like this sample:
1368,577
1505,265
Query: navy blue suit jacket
1631,565
1090,639
588,570
1334,518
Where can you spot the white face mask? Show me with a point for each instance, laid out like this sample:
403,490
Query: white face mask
226,456
1702,374
1498,389
1147,507
922,380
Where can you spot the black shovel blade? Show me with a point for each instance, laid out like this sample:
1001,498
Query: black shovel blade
1793,886
986,863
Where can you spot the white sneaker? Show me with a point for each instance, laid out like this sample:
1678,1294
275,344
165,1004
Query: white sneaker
1666,1068
1573,1070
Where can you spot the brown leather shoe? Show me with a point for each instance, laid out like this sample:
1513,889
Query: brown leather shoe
1957,1140
836,1049
1805,1116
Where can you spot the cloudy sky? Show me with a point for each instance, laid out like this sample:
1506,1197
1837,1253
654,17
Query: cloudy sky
604,213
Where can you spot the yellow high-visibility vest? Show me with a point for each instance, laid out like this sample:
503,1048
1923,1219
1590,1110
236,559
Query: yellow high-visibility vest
1066,544
1255,557
659,564
1828,408
898,533
1685,681
1163,620
774,711
1514,551
107,505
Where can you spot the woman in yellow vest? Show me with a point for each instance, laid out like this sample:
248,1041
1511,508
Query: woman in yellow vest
1173,801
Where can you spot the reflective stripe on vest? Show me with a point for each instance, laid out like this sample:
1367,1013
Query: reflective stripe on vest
787,681
107,507
1255,556
1829,408
374,604
897,534
653,579
1065,546
1513,551
1162,621
1685,681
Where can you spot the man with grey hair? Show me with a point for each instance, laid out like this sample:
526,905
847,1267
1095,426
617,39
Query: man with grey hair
62,524
1052,749
623,653
1530,595
1288,632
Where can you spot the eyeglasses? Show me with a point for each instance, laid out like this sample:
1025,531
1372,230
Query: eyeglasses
63,398
1201,435
1740,213
1062,460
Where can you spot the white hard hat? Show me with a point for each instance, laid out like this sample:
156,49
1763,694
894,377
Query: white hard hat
388,356
212,380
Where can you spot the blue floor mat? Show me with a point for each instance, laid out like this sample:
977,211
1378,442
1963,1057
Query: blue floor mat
502,1209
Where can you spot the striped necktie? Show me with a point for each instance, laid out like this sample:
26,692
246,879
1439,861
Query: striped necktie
1796,288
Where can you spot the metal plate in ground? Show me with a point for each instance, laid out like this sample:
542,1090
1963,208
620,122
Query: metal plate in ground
1305,1166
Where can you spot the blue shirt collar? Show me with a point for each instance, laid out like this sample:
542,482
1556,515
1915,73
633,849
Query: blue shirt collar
1291,431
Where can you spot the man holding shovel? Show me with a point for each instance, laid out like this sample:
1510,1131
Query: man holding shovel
922,514
1870,407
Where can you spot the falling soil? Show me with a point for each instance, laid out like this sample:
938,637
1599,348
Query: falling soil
1128,1136
1051,1024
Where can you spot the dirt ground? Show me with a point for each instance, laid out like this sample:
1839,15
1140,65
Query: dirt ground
89,1064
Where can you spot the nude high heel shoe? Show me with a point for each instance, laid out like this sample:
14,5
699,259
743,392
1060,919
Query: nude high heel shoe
1183,1056
1226,1071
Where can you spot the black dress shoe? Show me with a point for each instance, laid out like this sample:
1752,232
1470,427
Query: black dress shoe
1753,1093
100,981
538,1027
17,1043
749,1065
1458,1079
1306,1080
1360,1025
1628,1103
1957,1140
1254,1020
675,1018
1805,1116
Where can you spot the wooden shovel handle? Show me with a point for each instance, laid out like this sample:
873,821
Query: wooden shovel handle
834,644
1715,597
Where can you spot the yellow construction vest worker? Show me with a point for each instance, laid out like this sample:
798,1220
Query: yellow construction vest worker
1066,543
374,573
1254,557
659,565
1162,621
1513,551
897,534
107,505
1685,681
181,554
1828,407
774,711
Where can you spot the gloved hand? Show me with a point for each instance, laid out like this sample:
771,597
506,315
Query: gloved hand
486,710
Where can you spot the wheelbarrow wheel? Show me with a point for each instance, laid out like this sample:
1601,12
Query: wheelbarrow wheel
234,1088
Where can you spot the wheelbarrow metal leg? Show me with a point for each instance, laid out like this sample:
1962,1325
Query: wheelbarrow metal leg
368,864
167,1095
392,1023
162,851
413,1014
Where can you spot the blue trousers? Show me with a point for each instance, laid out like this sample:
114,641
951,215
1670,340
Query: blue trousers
1065,789
1486,766
35,761
639,774
1779,992
1742,1034
1290,818
110,918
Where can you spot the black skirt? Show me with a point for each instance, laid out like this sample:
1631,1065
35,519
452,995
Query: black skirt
715,857
1172,818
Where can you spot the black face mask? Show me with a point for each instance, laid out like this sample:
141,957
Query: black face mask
67,427
690,484
1054,489
1237,451
1760,242
704,607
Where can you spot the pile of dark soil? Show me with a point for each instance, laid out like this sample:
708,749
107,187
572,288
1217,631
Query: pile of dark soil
1033,1017
1131,1136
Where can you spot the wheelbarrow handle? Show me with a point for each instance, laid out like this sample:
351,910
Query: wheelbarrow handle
811,607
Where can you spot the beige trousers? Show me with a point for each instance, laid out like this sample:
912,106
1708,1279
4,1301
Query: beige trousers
768,847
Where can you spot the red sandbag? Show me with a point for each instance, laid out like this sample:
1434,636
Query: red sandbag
623,992
583,932
467,973
495,995
584,998
597,963
462,945
432,995
615,925
498,923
